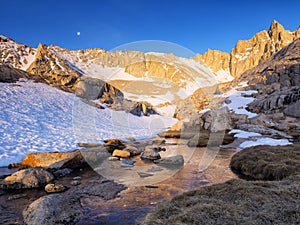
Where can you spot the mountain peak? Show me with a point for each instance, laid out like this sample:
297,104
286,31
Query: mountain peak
276,26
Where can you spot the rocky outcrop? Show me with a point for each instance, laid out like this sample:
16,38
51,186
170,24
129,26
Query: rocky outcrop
277,81
54,70
249,53
9,74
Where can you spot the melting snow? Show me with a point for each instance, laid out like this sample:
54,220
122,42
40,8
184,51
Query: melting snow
265,141
35,117
239,102
243,134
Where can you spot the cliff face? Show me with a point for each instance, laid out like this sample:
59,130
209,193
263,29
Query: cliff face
249,53
277,80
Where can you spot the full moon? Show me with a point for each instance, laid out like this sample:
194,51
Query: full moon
78,33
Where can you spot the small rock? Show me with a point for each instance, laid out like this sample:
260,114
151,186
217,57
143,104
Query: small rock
154,169
176,160
240,107
127,163
112,158
121,154
150,154
17,196
113,144
132,150
62,172
55,188
142,174
227,101
75,182
77,178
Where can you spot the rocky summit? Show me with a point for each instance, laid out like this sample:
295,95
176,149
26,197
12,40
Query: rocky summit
249,53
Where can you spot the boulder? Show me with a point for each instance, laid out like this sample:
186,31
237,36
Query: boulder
53,209
55,188
52,160
121,154
27,178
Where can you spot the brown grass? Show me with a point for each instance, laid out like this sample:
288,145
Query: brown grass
267,162
234,202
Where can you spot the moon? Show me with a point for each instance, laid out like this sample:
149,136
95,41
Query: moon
78,33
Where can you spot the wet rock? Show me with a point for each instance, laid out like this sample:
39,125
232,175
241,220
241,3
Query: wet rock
53,209
55,188
62,172
127,163
121,154
27,178
176,160
113,144
205,138
150,154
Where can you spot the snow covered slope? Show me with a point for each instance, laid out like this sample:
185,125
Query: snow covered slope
36,117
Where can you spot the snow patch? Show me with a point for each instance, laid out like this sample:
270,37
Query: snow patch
243,134
265,141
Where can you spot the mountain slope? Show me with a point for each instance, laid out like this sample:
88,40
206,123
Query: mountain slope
249,53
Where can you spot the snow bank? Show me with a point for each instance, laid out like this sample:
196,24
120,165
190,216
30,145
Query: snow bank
36,117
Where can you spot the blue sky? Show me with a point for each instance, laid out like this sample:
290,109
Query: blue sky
195,25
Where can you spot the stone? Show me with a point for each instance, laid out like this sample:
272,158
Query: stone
52,160
77,178
16,196
132,150
27,178
75,182
127,163
55,188
121,154
62,172
143,174
150,154
113,144
176,160
293,109
113,158
53,209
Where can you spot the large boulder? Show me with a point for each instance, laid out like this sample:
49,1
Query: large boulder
27,178
52,160
53,209
293,109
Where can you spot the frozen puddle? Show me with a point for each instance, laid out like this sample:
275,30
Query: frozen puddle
36,117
